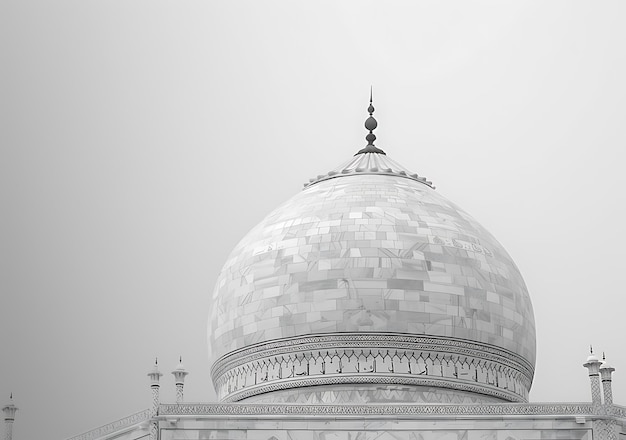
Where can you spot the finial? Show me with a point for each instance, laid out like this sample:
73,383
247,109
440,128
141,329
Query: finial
590,349
180,360
371,124
603,357
155,368
155,374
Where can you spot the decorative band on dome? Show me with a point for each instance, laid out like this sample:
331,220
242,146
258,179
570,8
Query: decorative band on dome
372,358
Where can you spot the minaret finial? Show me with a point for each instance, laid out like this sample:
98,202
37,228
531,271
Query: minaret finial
590,349
371,124
179,378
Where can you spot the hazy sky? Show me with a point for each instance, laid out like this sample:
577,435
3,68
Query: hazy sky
140,140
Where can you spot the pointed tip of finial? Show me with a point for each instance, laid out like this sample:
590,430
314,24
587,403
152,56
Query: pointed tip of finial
371,93
11,396
370,110
590,349
603,356
156,361
180,360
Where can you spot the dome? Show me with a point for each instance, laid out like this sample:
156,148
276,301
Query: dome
369,286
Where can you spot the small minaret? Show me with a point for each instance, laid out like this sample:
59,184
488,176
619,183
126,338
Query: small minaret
155,376
593,365
179,378
9,416
605,373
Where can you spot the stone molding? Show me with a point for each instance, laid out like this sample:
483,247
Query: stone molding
115,427
278,410
442,382
398,341
387,358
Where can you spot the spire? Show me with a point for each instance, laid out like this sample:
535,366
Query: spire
370,124
154,376
9,409
9,416
179,379
593,365
606,371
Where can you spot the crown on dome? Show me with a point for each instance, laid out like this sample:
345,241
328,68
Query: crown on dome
370,160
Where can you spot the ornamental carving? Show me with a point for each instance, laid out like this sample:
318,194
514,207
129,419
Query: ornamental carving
505,409
372,358
126,422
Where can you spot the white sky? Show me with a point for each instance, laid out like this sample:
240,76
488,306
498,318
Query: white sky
141,140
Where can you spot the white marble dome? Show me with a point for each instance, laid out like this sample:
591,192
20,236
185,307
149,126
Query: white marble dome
369,277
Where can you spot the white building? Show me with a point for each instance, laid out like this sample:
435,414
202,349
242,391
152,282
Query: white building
368,306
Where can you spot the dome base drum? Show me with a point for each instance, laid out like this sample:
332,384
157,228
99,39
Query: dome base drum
372,358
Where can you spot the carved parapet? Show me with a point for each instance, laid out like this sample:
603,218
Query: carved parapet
282,410
134,420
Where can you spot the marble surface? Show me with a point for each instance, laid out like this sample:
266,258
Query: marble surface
345,394
370,253
374,434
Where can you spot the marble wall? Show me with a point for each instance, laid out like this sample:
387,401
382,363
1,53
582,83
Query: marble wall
398,429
